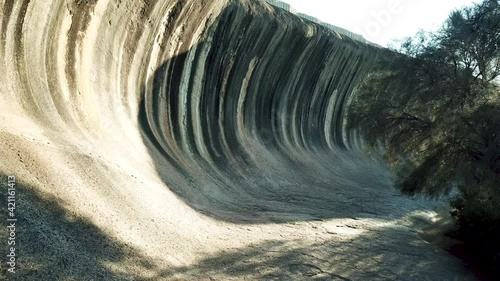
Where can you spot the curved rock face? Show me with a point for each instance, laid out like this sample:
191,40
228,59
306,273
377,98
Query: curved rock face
229,96
247,97
174,130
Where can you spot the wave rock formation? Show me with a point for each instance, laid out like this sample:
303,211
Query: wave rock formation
188,139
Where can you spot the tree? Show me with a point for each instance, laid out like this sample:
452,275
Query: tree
435,105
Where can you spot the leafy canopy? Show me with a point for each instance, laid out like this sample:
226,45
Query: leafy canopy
434,103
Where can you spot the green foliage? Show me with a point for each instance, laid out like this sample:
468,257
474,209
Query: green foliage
435,104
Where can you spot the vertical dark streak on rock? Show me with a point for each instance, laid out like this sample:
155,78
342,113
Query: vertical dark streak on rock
20,61
80,12
51,66
7,10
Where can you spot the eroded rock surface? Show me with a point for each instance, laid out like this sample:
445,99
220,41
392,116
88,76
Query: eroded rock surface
195,140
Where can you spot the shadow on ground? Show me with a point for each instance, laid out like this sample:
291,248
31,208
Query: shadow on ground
384,254
53,245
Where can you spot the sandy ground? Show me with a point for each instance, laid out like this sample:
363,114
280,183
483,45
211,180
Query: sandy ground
194,140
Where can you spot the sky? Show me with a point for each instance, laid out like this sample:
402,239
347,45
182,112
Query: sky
381,21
